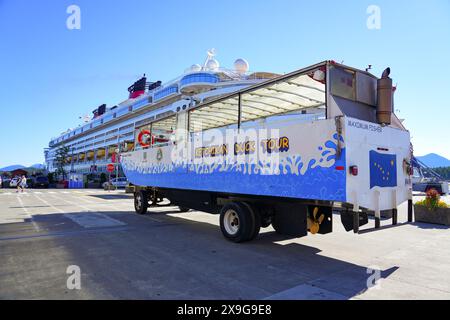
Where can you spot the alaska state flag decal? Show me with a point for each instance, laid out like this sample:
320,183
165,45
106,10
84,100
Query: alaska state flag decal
383,170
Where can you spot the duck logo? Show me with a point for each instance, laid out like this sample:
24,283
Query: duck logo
383,170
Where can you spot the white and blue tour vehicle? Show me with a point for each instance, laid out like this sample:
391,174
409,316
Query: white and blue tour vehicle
287,151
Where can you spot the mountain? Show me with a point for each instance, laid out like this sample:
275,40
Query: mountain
38,166
12,167
434,160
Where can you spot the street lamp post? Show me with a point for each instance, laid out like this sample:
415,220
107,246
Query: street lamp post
117,160
72,170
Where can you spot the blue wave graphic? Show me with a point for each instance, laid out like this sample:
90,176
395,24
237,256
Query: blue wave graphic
317,182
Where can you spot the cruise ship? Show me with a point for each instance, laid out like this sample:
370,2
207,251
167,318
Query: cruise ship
110,131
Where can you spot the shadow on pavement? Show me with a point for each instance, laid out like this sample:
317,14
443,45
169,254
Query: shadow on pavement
168,258
423,225
111,196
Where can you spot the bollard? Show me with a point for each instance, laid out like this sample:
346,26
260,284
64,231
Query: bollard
355,222
410,210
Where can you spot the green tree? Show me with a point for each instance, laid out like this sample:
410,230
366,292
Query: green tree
51,178
61,161
444,172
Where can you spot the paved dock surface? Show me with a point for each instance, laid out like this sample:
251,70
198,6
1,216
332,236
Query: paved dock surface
170,255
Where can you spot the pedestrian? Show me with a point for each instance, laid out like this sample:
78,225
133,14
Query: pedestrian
18,183
23,183
1,182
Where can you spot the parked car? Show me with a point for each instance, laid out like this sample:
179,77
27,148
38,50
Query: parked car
5,182
116,182
30,182
14,182
41,182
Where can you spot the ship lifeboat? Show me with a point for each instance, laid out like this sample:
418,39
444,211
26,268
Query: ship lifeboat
128,146
101,153
111,150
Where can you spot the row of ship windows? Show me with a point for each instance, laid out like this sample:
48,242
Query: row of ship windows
130,126
157,96
197,77
83,145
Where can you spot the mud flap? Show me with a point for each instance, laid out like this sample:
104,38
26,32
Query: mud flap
290,219
348,221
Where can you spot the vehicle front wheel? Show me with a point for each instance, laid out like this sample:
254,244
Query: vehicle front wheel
141,202
183,209
236,222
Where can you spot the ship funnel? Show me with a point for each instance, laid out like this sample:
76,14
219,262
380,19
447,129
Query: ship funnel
137,88
385,98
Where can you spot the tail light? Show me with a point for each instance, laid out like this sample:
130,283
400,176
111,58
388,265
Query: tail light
354,170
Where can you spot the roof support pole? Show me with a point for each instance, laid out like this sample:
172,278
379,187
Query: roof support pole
239,111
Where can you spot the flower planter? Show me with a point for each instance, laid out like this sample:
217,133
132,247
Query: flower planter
436,216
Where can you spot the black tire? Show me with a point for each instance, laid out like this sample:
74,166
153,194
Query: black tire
237,222
256,216
141,202
183,209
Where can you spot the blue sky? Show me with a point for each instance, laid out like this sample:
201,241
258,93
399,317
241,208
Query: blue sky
50,75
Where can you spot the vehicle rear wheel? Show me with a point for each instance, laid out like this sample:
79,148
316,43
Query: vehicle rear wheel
237,222
141,202
256,217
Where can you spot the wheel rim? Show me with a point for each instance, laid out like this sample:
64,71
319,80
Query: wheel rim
231,222
138,202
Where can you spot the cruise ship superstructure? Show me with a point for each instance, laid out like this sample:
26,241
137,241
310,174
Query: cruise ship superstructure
111,130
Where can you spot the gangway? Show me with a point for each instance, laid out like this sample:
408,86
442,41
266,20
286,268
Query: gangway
425,178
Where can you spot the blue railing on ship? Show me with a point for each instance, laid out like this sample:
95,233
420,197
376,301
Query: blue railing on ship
200,77
165,92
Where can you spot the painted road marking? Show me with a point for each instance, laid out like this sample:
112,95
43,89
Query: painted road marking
73,203
94,220
28,215
50,205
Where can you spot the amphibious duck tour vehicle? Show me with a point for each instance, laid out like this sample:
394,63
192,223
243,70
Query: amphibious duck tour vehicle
262,149
286,152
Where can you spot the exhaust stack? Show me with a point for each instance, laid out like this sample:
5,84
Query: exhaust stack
385,98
